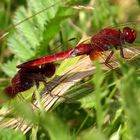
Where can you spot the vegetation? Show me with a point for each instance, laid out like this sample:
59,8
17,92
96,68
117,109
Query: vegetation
102,104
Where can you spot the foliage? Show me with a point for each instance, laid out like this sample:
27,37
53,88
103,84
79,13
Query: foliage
103,106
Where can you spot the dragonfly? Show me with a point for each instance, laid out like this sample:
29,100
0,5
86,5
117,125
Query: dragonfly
37,70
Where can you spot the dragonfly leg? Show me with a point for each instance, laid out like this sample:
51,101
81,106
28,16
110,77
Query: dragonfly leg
121,53
108,58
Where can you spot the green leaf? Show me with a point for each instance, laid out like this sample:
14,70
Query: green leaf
10,67
92,134
65,64
130,89
56,129
25,40
52,28
98,80
44,24
9,134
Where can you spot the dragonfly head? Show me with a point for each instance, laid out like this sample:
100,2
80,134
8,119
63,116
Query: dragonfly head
129,34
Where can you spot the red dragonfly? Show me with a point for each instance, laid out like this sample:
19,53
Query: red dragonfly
36,70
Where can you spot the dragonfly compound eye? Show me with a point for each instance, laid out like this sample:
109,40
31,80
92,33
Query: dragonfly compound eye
129,34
